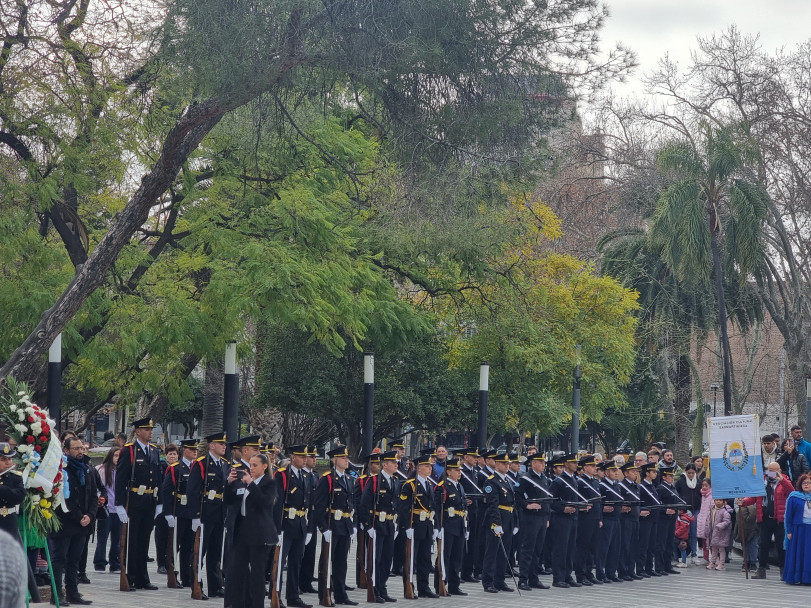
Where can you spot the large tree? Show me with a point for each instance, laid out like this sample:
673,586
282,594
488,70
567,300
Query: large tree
115,106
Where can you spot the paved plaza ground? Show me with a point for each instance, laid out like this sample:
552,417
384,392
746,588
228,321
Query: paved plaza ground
696,587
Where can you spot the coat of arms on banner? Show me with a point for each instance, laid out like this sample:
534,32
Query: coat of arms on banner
735,456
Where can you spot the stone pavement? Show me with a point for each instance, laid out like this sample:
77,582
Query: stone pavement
694,587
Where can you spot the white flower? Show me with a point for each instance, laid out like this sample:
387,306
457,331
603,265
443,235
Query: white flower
21,428
21,414
23,448
20,393
35,497
12,408
36,427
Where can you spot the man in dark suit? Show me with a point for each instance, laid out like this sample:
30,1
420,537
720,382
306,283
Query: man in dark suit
648,519
332,514
137,483
308,560
501,524
176,507
629,522
666,527
78,518
589,521
207,481
564,521
290,515
475,509
252,495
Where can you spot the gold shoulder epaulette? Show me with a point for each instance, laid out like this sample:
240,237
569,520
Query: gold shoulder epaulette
202,458
326,474
283,469
491,477
411,481
126,445
18,473
439,484
174,464
154,445
364,476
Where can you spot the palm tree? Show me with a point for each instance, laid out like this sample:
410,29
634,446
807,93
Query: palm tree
708,223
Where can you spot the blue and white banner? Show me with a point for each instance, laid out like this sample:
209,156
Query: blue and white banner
736,468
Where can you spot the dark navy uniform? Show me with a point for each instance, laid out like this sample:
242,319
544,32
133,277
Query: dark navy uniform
454,528
307,572
648,519
481,478
176,503
666,527
333,511
588,525
12,494
137,483
609,536
629,530
378,511
417,511
231,513
563,527
533,523
290,514
474,510
499,495
207,481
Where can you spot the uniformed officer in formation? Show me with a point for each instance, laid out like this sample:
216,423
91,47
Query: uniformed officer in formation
290,514
667,522
207,481
307,573
137,484
564,522
177,509
501,522
648,519
629,522
475,500
532,498
589,521
453,519
607,552
12,491
377,513
332,514
417,520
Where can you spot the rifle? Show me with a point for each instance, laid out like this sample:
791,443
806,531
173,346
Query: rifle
370,552
123,579
361,578
442,590
197,564
171,551
326,558
408,570
276,574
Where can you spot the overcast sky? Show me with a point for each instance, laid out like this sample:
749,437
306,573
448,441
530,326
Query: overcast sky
655,27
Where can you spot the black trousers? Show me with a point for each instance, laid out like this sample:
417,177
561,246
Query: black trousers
161,541
495,563
586,544
292,552
212,549
67,552
307,573
608,547
564,544
769,528
141,521
340,558
453,551
666,533
472,543
185,548
422,562
246,584
399,553
532,536
629,540
647,542
384,553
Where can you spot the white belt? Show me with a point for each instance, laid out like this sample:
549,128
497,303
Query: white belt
5,511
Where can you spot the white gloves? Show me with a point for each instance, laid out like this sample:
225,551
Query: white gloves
158,510
498,530
354,532
410,533
396,532
467,535
308,538
170,520
371,533
195,524
122,514
327,535
515,530
436,534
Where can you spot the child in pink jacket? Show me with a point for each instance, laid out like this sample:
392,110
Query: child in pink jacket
719,532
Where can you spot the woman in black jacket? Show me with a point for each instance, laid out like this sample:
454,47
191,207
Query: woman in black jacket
253,496
688,488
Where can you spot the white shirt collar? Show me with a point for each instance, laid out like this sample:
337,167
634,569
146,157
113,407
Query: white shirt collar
144,446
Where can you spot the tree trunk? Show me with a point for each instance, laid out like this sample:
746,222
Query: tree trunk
682,388
213,397
722,321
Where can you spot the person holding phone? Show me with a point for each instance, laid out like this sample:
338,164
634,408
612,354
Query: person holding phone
791,461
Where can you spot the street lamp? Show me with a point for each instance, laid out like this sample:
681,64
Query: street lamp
714,388
576,402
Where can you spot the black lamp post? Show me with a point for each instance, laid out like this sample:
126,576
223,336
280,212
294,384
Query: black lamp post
576,405
714,388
